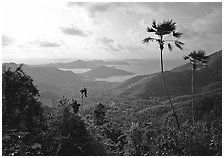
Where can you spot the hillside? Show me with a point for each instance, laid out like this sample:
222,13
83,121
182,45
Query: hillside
48,98
104,72
214,63
83,64
49,78
178,80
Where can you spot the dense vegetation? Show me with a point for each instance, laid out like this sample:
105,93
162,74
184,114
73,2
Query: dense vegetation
115,126
32,129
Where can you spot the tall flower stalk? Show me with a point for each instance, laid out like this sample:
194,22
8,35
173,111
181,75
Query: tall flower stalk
165,33
195,58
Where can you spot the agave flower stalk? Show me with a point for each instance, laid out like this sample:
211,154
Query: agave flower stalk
195,58
165,33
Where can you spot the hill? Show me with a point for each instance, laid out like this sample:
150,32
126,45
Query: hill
104,72
83,64
178,80
50,78
214,63
48,98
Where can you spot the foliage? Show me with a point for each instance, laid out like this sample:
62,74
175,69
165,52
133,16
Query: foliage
17,143
20,108
165,33
193,140
99,114
197,57
75,106
148,137
134,140
67,132
62,130
122,126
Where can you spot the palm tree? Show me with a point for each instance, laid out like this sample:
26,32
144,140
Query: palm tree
165,33
195,58
83,93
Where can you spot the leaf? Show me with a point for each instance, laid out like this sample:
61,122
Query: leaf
177,34
186,57
146,40
170,47
199,56
154,24
179,44
166,27
150,29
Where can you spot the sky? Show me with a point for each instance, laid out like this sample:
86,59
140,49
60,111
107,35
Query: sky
76,30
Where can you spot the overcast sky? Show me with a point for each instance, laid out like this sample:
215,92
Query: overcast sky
104,30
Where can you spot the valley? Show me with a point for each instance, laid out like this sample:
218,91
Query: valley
138,105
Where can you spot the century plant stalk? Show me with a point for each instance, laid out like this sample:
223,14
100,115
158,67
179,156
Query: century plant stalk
195,58
192,93
166,32
82,103
164,85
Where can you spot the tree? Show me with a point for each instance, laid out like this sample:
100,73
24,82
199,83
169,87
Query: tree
195,58
75,105
83,93
99,114
165,32
20,108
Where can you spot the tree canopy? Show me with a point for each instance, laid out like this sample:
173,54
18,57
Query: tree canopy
20,108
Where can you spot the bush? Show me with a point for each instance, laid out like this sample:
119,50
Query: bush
20,108
99,114
134,139
69,133
194,140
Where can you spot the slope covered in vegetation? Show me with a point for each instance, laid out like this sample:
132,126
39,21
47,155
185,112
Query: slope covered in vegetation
178,80
30,128
110,124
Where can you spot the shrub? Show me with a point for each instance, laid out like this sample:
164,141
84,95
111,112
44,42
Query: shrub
99,114
20,108
69,133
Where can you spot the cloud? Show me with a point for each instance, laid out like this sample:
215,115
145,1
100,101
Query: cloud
106,40
209,23
109,44
133,36
133,48
43,43
205,27
74,31
95,7
6,40
123,7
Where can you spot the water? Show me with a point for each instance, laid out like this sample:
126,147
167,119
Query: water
139,67
77,71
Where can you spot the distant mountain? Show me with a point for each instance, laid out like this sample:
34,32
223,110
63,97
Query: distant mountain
50,78
178,80
83,64
104,72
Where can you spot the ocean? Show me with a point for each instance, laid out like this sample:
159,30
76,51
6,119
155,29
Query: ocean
139,67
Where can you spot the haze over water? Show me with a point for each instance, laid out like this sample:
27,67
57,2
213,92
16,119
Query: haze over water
139,67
